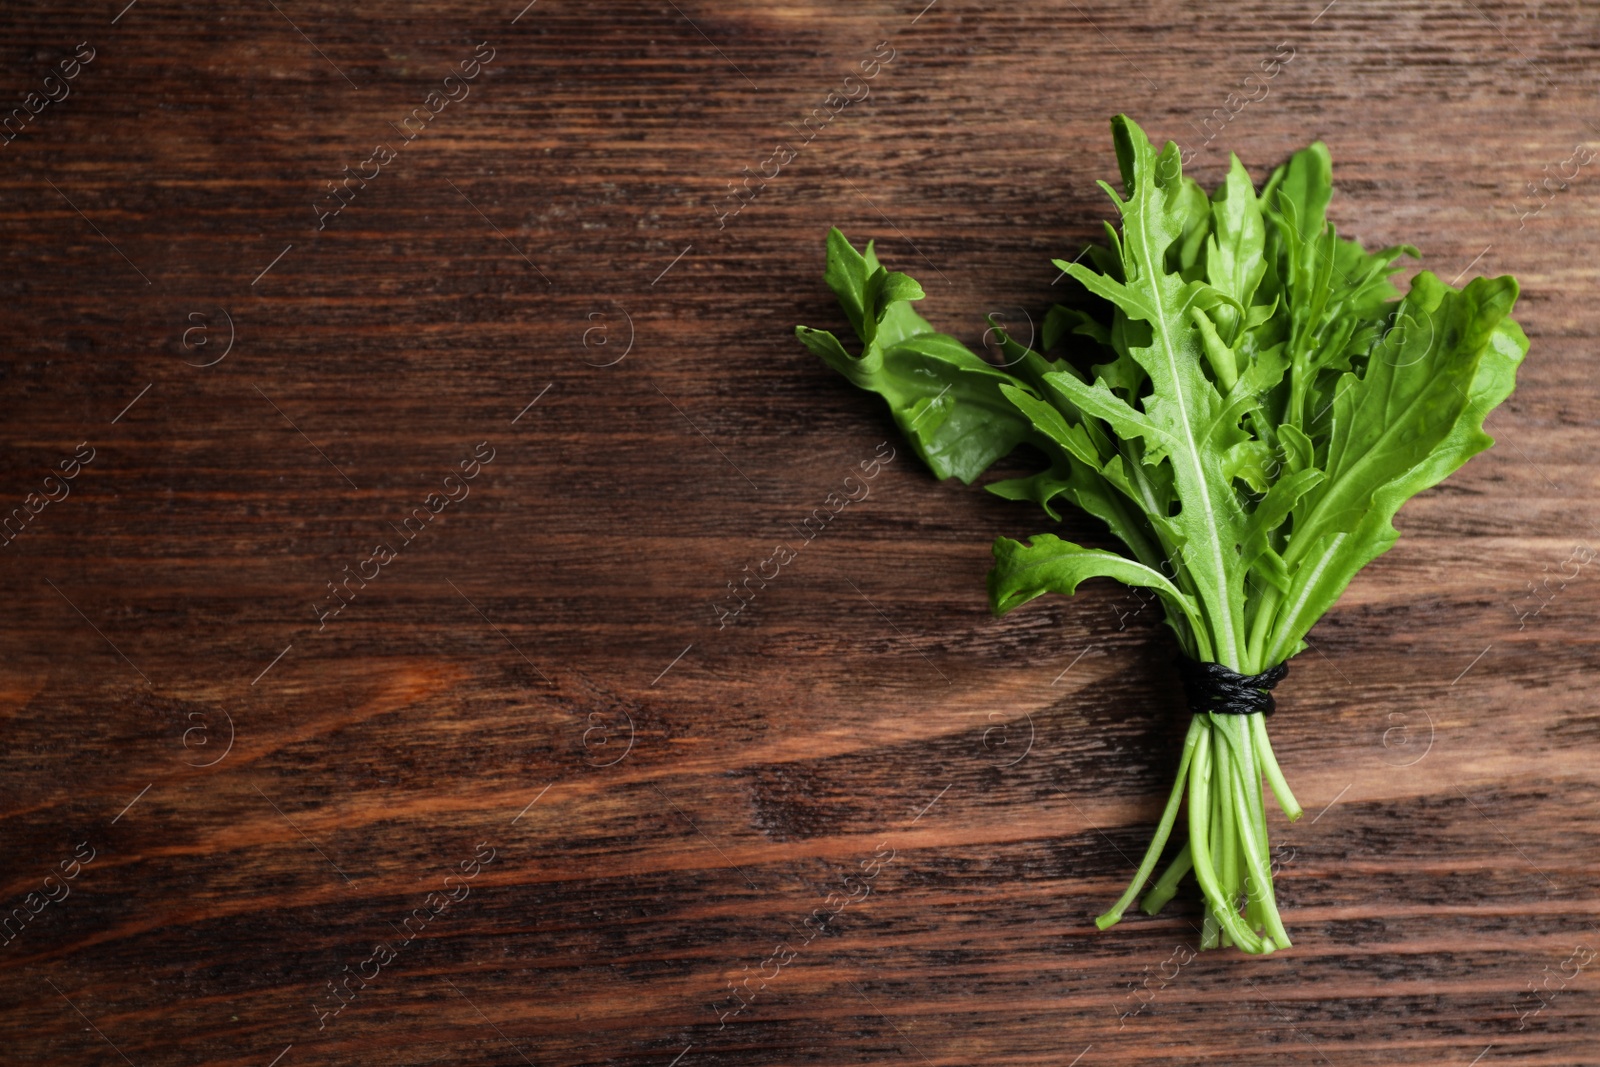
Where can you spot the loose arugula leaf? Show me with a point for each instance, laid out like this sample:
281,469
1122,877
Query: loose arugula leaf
1260,402
945,399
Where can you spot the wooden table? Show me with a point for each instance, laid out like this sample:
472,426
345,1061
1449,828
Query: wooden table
511,769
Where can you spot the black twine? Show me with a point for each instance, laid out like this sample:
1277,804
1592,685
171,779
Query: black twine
1213,688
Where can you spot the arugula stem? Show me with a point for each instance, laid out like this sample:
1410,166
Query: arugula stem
1209,929
1252,911
1201,779
1166,886
1169,815
1253,835
1226,854
1266,613
1211,932
1267,763
1221,826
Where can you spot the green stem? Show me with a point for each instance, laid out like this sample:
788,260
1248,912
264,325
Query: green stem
1269,767
1261,626
1253,834
1225,854
1209,929
1227,857
1252,911
1166,886
1163,830
1220,774
1201,774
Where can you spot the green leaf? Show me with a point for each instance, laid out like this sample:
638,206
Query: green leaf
1299,450
1235,263
963,425
1022,361
846,275
1090,491
1299,191
1259,552
897,320
1182,403
1041,488
1048,564
1409,397
1073,438
945,399
1125,420
895,287
1329,560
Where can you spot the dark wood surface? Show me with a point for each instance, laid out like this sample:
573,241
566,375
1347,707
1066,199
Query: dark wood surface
539,675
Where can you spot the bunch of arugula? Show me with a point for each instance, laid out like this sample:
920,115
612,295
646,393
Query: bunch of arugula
1259,400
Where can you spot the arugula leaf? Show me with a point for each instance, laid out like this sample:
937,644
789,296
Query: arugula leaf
1325,568
945,399
1408,398
1048,564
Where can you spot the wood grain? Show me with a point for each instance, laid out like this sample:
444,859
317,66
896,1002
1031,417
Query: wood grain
539,673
